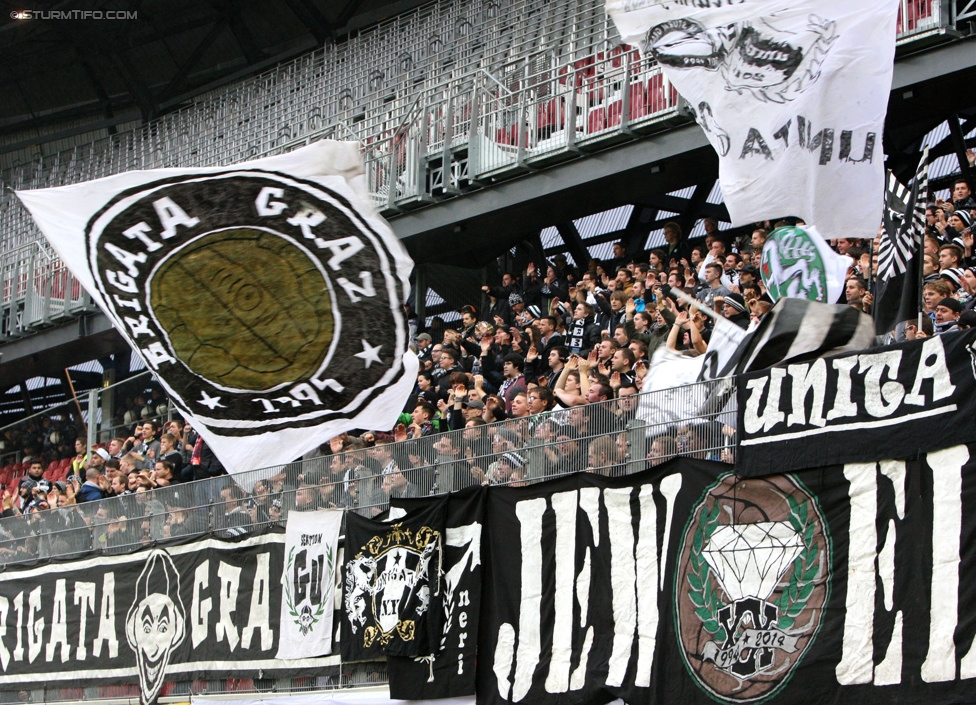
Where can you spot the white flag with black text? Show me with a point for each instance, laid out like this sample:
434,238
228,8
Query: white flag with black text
308,581
266,297
792,94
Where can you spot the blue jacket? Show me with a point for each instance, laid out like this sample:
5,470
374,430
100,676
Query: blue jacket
89,492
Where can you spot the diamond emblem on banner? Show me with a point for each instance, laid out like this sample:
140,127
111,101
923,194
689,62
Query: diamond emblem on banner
750,559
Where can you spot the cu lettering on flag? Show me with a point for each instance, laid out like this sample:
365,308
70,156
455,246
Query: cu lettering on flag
236,289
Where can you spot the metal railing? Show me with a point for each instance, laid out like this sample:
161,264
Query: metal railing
612,438
916,17
491,99
96,415
336,677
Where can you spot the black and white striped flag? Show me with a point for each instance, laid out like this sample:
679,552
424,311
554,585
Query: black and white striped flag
899,261
796,330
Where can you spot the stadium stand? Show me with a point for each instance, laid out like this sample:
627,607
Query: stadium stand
445,99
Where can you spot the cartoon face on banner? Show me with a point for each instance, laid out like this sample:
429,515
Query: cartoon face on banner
752,580
156,622
242,296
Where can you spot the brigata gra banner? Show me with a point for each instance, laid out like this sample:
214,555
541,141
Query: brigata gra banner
206,609
901,400
691,584
265,296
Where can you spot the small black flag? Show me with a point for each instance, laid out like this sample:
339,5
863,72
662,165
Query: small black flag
899,256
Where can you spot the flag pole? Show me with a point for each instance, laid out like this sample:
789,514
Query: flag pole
873,275
693,302
920,252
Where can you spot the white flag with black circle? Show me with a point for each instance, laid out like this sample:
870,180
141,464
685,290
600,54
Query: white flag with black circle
266,296
792,94
308,583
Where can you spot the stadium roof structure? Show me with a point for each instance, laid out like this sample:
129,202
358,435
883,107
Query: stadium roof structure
74,67
67,78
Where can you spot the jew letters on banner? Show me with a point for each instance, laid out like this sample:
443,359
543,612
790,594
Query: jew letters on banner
690,584
798,263
792,95
907,398
392,588
265,296
450,671
148,617
308,583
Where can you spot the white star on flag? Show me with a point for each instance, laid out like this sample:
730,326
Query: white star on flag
369,354
210,402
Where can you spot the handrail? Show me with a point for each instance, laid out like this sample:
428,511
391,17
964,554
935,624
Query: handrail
489,75
38,244
50,409
633,432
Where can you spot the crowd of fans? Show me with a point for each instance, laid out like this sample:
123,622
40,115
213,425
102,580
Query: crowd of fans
552,360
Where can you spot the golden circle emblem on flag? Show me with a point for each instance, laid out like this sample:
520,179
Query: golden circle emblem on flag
261,301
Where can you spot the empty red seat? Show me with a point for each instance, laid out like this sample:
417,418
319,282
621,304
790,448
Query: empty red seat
638,101
507,135
551,114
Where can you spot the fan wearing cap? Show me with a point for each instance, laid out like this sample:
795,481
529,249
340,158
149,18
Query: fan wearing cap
39,500
947,315
510,468
735,310
26,489
959,223
967,320
953,276
424,344
465,410
522,315
97,458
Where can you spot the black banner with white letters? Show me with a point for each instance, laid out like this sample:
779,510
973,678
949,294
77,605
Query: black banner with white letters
449,672
197,610
690,584
899,401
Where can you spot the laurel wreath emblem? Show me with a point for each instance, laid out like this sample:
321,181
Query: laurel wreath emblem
702,594
795,594
805,567
305,619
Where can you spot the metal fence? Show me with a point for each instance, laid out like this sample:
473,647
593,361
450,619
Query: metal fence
617,437
611,438
334,677
442,100
98,415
